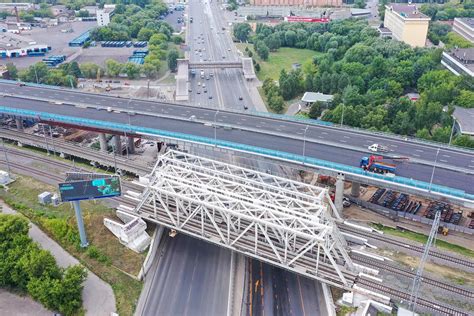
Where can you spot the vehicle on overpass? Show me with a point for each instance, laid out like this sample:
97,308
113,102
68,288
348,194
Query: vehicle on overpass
375,164
377,148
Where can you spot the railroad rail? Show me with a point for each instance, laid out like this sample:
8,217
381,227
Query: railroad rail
402,244
405,296
400,271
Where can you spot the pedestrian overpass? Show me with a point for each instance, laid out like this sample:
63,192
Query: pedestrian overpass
184,65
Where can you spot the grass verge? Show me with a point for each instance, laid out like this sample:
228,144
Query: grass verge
283,58
423,238
105,256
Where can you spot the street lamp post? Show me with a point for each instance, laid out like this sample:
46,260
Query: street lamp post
434,167
342,116
452,132
215,128
304,143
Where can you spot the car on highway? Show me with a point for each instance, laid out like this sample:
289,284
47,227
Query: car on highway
198,92
205,90
223,57
246,107
377,148
241,98
210,97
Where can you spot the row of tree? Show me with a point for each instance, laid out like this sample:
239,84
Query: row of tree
27,268
442,32
134,22
448,10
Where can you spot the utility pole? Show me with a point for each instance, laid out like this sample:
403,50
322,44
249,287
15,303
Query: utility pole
304,143
215,128
6,158
434,168
415,289
452,132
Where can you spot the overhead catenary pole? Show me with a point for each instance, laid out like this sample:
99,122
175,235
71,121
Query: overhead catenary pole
215,128
6,157
434,168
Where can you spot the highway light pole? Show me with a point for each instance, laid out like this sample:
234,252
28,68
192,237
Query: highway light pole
434,167
342,116
304,143
215,128
452,132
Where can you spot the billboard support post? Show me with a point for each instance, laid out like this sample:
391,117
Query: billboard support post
80,223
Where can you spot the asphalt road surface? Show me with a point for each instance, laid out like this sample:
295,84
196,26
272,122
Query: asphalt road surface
276,292
210,40
327,143
192,278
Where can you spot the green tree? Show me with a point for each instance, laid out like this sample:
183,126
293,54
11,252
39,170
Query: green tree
276,103
242,31
12,71
465,99
464,141
113,68
131,69
145,34
172,59
89,70
316,110
157,39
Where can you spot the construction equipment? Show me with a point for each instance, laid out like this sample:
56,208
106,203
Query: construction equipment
375,164
443,230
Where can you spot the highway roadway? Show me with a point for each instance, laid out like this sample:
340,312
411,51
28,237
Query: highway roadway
209,39
328,143
273,291
191,278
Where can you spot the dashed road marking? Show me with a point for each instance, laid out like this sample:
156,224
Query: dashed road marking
394,145
324,133
419,150
447,156
343,141
443,160
346,137
416,155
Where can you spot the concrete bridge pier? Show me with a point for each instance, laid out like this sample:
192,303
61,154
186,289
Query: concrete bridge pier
339,192
103,142
19,124
355,189
131,145
118,145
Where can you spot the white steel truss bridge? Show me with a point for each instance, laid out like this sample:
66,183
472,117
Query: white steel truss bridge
279,221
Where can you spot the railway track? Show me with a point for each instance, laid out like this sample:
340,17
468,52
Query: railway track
391,241
403,295
399,271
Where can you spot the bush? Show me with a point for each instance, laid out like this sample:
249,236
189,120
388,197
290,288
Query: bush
26,267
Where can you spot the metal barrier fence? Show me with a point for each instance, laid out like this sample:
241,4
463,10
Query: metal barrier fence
424,220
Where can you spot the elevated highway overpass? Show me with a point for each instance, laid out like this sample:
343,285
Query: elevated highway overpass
329,149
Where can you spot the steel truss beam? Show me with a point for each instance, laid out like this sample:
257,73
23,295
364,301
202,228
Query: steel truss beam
280,221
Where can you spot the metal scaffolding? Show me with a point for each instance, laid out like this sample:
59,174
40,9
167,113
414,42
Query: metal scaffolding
283,222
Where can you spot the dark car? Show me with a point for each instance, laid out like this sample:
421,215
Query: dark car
246,107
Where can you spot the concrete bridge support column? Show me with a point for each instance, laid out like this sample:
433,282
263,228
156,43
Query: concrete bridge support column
118,145
103,142
355,189
339,192
19,124
131,145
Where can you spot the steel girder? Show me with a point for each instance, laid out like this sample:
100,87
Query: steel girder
280,221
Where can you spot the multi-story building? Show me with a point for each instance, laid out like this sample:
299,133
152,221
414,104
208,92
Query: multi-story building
407,23
460,61
104,15
465,28
306,3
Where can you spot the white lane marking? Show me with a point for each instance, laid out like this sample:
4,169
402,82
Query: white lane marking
321,137
416,155
394,145
257,126
343,141
419,150
278,129
471,166
299,133
262,122
324,133
447,156
346,137
243,119
443,160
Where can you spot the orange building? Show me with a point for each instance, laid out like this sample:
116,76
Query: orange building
307,3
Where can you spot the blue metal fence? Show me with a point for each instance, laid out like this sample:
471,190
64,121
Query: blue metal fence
236,146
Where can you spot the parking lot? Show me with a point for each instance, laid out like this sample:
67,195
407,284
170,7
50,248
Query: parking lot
51,36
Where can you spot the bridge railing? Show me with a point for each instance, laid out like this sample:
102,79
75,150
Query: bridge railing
239,147
309,121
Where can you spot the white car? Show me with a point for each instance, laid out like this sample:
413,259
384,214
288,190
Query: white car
377,148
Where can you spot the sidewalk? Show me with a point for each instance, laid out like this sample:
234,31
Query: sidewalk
98,297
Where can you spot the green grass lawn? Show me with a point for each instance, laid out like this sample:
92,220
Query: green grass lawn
105,256
423,238
283,58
